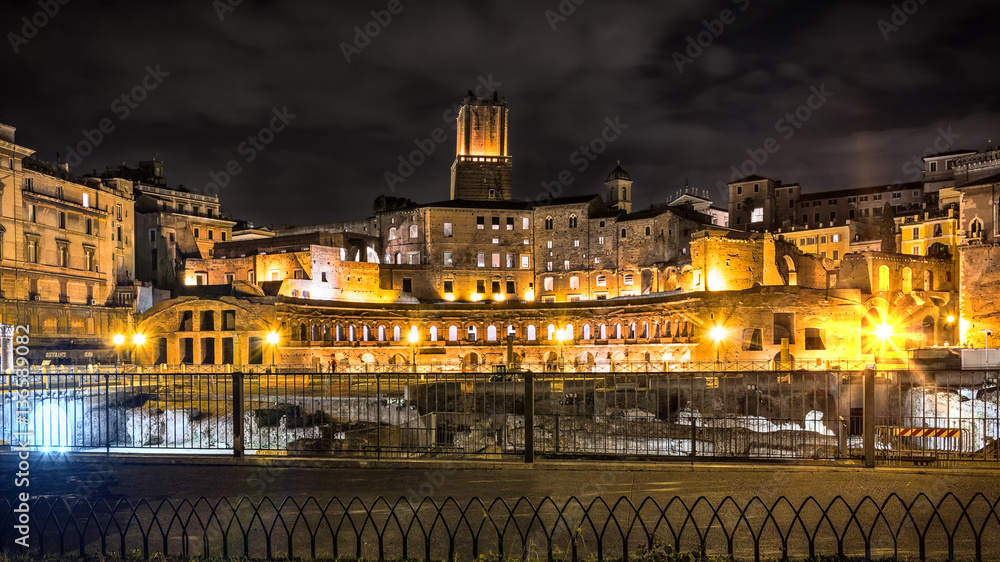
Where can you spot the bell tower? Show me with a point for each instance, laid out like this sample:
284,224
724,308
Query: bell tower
619,185
482,168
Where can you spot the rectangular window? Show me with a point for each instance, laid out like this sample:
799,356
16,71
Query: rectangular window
600,240
510,287
322,277
836,254
816,215
850,214
223,235
197,232
833,216
576,243
525,261
566,265
496,223
31,213
480,260
447,230
784,327
413,258
758,215
548,284
753,339
834,238
449,287
574,283
481,286
524,223
739,190
86,200
822,239
510,223
548,244
877,211
449,260
814,339
897,195
119,210
89,226
495,262
510,261
480,223
211,234
88,259
877,197
152,235
407,285
916,232
62,219
496,240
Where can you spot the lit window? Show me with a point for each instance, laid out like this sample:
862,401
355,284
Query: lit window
602,281
414,231
566,265
757,215
576,243
496,223
548,283
448,259
548,266
480,260
480,223
525,261
628,279
548,244
496,260
574,283
86,199
600,240
447,230
510,223
524,223
392,233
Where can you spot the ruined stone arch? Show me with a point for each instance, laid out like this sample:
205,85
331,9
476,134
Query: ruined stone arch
791,274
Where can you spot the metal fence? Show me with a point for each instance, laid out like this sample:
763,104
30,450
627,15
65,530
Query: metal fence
936,417
616,528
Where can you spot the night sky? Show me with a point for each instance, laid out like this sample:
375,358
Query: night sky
214,80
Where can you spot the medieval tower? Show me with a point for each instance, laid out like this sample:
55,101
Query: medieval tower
482,167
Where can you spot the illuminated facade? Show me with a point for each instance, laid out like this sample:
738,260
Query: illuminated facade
66,246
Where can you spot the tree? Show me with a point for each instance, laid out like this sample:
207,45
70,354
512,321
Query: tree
384,203
888,229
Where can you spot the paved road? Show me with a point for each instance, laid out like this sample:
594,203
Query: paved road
157,479
56,478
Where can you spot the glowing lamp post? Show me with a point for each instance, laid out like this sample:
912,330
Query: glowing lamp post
883,332
272,340
118,340
561,338
414,338
717,333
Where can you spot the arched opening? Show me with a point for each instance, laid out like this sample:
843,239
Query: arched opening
366,333
303,332
433,333
531,332
550,333
602,332
585,362
792,276
491,333
452,333
353,336
397,333
473,332
381,333
647,281
471,361
927,332
586,332
315,332
618,331
907,280
883,278
551,361
398,359
368,359
326,332
928,280
569,332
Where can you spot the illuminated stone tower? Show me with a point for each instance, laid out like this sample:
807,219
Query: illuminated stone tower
482,166
619,185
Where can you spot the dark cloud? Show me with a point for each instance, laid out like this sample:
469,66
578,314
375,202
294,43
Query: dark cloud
606,60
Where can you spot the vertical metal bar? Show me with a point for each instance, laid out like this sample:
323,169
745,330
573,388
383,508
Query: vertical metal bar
107,414
237,414
869,418
529,418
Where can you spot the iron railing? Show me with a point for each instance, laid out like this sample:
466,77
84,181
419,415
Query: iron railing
924,417
949,527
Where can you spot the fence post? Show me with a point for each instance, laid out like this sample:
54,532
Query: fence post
869,417
529,417
237,414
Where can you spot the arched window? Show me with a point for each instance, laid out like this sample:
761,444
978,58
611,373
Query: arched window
618,331
569,332
392,233
548,223
631,331
907,280
624,233
550,332
602,332
624,194
434,333
472,333
491,333
572,221
602,281
399,259
976,229
352,334
388,258
883,278
366,333
645,330
628,279
586,332
414,231
452,333
397,333
928,280
648,231
531,332
512,330
381,333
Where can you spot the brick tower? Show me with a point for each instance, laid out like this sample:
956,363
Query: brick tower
482,167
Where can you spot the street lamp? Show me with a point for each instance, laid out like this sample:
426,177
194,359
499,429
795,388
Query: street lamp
118,340
560,339
273,339
883,332
717,333
988,332
414,337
